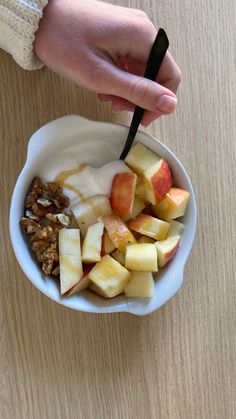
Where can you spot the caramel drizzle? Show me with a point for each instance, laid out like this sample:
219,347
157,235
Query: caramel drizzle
61,180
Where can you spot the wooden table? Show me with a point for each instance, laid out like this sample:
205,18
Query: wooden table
179,362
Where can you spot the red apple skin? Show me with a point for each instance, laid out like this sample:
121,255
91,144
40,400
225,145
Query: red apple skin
178,195
169,255
162,181
122,193
164,256
86,270
118,232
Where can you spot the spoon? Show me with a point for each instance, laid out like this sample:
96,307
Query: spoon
155,59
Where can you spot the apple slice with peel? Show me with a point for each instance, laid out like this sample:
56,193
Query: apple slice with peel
83,284
118,232
88,211
146,239
157,181
122,193
176,228
138,206
107,245
173,206
119,256
141,257
71,270
166,249
92,244
139,158
109,276
149,226
141,285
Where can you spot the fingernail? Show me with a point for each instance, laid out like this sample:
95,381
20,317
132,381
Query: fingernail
166,103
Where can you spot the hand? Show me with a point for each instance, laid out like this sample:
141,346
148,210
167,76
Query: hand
105,48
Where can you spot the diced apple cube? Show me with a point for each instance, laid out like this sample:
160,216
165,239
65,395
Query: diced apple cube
141,257
149,226
140,158
138,206
173,206
109,276
82,284
87,212
71,270
157,181
118,232
119,256
176,228
92,244
107,245
97,290
166,249
141,285
145,239
122,193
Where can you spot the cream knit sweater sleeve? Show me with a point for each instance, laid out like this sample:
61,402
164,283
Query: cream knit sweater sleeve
19,20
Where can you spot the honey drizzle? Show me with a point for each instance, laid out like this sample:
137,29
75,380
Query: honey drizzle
61,178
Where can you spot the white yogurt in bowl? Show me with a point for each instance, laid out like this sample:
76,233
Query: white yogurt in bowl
65,144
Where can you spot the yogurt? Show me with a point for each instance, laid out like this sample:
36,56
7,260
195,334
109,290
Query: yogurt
85,181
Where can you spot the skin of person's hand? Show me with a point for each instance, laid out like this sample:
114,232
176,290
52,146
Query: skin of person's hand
105,48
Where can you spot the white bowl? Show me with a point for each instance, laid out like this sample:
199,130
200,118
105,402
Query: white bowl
67,142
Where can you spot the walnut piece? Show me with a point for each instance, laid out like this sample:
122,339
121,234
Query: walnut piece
45,198
44,244
30,226
60,219
43,220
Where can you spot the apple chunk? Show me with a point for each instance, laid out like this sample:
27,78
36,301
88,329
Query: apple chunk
139,158
141,257
83,283
92,244
71,270
176,228
166,249
146,239
122,193
173,206
88,211
149,226
138,206
119,256
141,285
109,277
157,181
107,245
118,232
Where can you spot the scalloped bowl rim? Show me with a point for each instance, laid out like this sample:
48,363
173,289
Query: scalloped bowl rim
45,141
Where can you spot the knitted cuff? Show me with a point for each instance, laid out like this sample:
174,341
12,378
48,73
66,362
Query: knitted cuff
19,21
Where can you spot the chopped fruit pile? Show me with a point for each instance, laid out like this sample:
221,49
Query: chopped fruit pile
112,244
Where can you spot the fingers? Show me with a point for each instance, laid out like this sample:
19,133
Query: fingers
169,74
135,89
119,104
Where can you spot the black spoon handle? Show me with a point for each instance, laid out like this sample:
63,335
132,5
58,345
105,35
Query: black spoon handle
155,59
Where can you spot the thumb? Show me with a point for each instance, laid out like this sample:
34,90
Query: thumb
140,91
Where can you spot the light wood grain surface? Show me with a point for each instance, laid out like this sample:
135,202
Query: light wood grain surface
179,362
